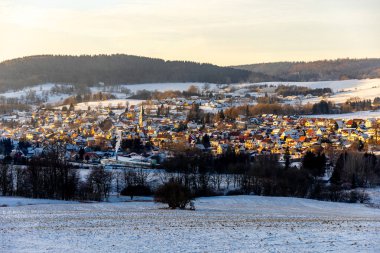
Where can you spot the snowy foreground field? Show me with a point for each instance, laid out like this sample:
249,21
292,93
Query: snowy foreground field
220,224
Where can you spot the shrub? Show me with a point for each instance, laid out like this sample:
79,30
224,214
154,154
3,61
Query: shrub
358,196
136,190
236,192
174,194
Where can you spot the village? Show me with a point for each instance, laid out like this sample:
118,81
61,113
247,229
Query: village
143,133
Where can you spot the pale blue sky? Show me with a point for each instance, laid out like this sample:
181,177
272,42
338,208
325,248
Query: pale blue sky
223,32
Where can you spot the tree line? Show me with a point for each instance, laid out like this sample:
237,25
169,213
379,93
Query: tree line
198,174
112,70
159,95
294,90
316,178
324,70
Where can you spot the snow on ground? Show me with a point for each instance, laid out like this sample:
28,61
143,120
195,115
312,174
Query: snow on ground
353,115
364,89
111,102
39,90
164,86
220,224
209,109
19,201
23,92
374,194
334,85
355,86
346,116
367,88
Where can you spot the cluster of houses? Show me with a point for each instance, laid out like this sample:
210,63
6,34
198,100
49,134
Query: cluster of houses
273,134
162,125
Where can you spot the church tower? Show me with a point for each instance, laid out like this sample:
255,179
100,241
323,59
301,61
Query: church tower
141,117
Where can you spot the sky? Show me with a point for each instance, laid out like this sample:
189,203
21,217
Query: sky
223,32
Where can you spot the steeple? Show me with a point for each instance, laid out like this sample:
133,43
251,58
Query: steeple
141,117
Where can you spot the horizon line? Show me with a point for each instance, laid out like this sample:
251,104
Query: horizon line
194,61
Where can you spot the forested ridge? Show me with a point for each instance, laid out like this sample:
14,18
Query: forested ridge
128,69
113,69
324,70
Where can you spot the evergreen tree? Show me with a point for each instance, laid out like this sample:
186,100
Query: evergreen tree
287,158
206,141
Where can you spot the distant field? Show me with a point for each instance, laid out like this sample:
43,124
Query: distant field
354,115
364,89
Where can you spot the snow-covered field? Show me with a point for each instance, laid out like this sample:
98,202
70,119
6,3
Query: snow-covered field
41,91
353,115
353,84
111,102
38,89
164,86
220,224
347,88
363,89
20,201
367,88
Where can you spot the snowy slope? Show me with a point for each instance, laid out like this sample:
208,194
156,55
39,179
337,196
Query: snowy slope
346,85
163,86
364,89
39,90
367,88
220,224
111,102
335,85
353,115
23,92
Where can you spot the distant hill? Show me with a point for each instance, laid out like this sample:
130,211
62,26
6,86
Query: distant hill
113,69
326,70
127,69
